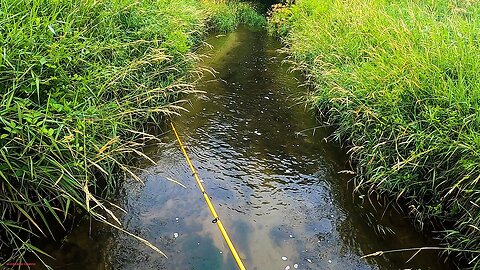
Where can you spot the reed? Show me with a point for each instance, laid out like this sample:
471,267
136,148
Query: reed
400,80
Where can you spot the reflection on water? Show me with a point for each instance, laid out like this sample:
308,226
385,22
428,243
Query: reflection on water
273,180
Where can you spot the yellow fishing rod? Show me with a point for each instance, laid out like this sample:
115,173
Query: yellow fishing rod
216,219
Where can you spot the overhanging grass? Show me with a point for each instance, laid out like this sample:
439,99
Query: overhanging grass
80,83
400,79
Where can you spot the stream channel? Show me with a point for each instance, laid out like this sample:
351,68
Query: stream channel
273,179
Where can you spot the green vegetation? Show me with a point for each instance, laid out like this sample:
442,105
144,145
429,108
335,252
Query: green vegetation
225,18
401,81
81,84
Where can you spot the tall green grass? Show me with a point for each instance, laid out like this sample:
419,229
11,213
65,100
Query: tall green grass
401,81
81,83
225,16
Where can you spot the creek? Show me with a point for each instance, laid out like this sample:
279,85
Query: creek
272,176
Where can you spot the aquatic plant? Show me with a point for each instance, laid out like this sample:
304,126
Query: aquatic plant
81,84
400,80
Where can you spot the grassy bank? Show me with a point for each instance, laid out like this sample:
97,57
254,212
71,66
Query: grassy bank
81,82
400,80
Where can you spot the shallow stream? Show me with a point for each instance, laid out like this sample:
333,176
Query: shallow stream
272,176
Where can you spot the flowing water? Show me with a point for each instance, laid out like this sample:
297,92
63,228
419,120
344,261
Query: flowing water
272,176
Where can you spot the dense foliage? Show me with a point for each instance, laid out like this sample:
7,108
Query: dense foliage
401,81
81,82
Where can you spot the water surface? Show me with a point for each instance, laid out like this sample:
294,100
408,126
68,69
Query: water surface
272,176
